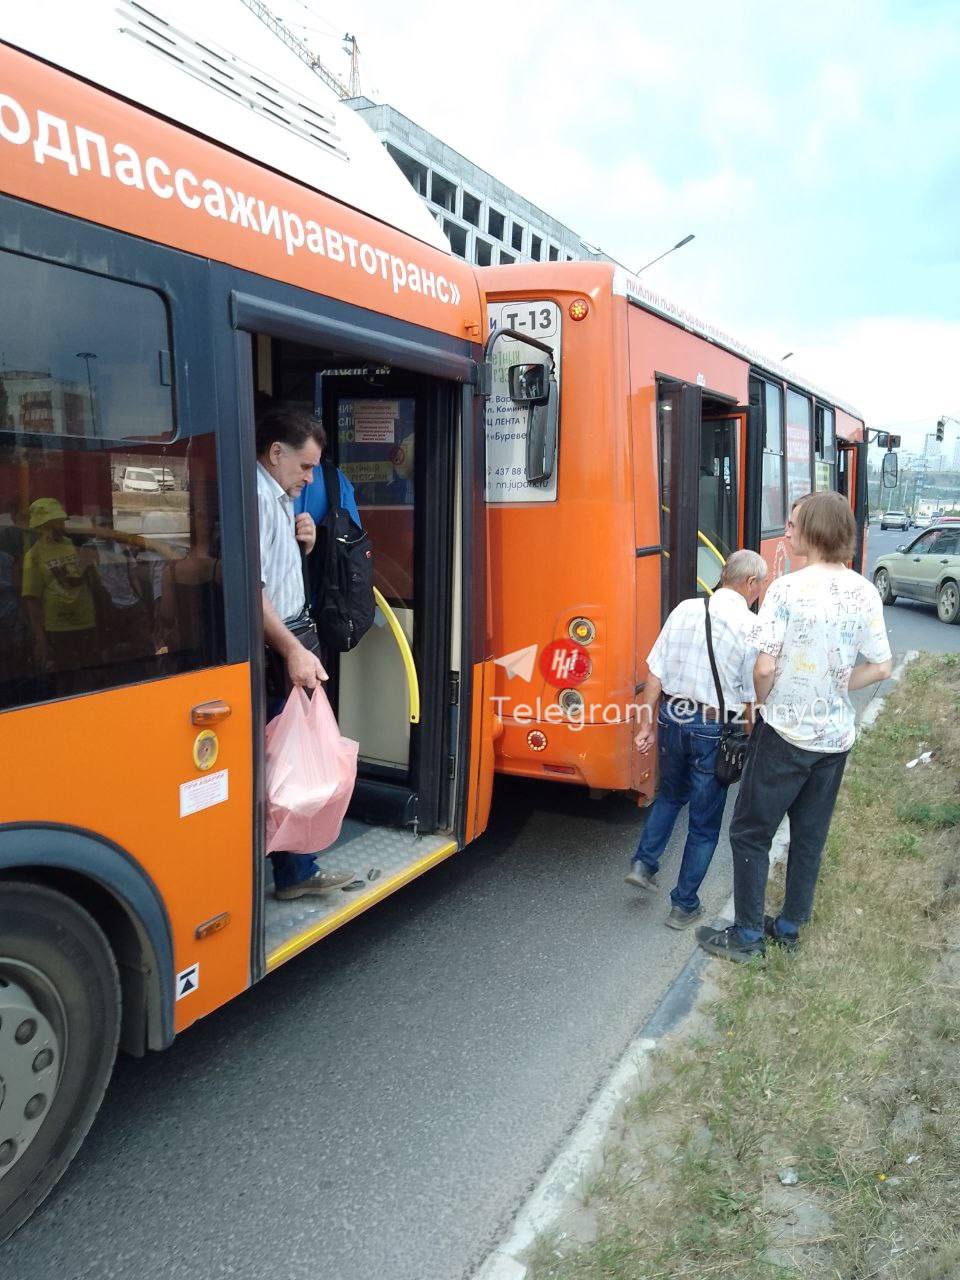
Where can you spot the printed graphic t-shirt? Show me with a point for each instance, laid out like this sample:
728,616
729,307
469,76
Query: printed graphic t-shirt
53,574
815,623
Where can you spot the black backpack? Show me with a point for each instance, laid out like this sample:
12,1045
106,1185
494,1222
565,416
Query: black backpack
341,567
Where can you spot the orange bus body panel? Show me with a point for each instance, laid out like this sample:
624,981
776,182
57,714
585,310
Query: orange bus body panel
168,221
659,349
545,566
592,552
112,765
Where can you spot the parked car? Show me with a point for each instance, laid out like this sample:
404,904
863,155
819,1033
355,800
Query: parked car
926,569
165,478
139,480
894,520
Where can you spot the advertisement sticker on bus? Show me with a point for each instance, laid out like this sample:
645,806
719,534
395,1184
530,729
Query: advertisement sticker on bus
798,461
506,420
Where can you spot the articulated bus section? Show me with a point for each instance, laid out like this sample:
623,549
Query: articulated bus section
675,446
157,287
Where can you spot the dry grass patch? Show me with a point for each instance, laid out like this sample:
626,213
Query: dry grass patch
837,1063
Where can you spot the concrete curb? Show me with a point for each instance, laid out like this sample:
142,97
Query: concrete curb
582,1154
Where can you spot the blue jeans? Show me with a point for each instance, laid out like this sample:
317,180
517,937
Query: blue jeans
288,868
686,752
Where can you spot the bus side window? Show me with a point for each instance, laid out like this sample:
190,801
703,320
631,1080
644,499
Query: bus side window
109,526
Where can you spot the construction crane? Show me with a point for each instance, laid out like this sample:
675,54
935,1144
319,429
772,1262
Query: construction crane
350,46
306,54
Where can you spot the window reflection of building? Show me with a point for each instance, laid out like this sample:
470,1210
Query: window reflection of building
37,402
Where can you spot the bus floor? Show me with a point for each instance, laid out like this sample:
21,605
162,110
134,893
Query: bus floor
382,859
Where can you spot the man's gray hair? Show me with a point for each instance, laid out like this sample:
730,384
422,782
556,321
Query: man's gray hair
742,565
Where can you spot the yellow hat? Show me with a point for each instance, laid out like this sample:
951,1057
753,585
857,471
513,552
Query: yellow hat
43,510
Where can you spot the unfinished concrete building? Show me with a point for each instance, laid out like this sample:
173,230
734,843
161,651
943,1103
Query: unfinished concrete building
485,221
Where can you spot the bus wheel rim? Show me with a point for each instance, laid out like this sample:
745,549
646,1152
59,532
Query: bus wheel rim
31,1057
948,601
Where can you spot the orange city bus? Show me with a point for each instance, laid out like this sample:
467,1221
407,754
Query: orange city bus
155,279
674,445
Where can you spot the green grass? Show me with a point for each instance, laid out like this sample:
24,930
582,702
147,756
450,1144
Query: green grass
839,1060
933,816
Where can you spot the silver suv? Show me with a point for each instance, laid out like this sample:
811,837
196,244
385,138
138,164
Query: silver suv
894,520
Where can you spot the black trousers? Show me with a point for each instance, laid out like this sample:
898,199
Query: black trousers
779,779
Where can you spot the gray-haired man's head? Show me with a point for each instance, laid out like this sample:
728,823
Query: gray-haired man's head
745,572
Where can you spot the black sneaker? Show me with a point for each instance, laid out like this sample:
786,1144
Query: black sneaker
728,944
640,877
789,941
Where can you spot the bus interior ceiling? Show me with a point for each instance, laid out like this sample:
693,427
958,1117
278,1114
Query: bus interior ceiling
397,822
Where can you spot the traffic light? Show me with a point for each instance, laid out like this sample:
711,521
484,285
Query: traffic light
940,428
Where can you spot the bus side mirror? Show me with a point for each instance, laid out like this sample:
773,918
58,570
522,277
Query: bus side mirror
891,470
529,383
542,433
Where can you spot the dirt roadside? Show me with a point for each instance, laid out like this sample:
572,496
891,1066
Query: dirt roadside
806,1119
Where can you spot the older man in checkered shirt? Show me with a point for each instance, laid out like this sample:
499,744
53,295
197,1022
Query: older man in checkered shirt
683,691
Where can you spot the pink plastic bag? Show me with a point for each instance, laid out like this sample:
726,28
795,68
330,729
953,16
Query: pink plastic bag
310,774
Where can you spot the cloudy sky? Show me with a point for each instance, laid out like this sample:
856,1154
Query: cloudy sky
814,152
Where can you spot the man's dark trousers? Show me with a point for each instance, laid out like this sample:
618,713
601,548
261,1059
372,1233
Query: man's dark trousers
778,779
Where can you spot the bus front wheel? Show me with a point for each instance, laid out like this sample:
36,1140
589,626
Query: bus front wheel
59,1023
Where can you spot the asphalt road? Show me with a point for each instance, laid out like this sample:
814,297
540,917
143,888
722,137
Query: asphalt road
379,1107
910,625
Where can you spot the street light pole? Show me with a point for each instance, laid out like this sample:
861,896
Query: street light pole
86,357
678,245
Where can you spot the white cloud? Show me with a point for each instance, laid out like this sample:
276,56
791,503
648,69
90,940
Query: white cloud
808,150
899,370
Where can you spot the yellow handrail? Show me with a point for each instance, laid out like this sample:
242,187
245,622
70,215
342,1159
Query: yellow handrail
700,581
703,538
403,644
707,543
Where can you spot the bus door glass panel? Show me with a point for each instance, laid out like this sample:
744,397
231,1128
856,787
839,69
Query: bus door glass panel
679,428
717,512
799,441
109,527
668,414
825,450
843,469
375,450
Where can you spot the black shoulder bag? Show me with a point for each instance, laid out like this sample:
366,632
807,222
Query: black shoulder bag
728,765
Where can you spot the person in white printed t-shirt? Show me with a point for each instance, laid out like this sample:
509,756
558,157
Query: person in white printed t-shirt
811,628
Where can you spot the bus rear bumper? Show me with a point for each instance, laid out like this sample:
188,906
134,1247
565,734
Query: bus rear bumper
600,756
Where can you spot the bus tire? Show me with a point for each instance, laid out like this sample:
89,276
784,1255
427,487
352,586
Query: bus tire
59,1025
